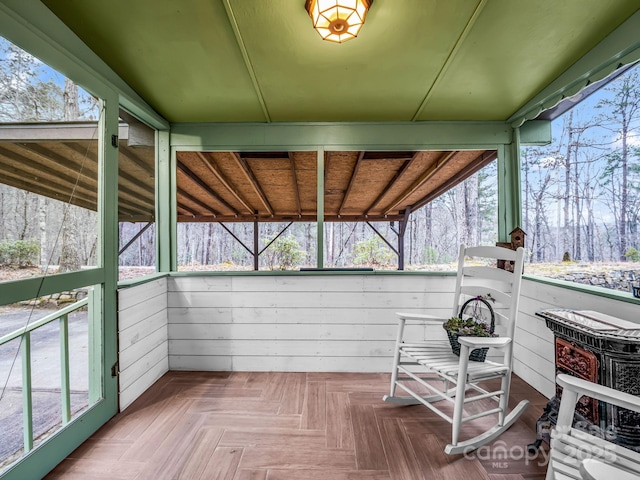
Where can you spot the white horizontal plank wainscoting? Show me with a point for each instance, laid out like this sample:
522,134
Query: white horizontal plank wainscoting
333,323
534,356
142,338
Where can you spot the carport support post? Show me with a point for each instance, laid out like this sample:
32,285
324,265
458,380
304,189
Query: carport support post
320,208
256,253
509,197
402,228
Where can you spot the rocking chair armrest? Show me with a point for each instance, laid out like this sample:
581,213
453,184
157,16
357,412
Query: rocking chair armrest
479,342
422,317
599,392
594,469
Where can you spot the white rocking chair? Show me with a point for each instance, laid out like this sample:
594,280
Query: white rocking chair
579,455
417,361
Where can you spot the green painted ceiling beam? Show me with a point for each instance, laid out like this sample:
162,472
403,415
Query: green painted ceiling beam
536,132
437,135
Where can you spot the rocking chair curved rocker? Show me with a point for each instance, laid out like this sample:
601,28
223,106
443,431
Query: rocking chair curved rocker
417,362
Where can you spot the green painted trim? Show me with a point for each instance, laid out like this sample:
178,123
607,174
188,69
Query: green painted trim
620,46
247,60
32,26
163,202
588,289
41,460
514,190
535,133
65,392
502,194
320,208
452,54
296,273
94,319
134,282
173,212
27,400
306,136
108,211
102,313
31,326
509,196
29,288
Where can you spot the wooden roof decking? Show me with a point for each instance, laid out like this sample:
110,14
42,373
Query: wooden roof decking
60,161
281,186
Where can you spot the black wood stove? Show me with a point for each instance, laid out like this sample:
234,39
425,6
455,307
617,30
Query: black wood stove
604,350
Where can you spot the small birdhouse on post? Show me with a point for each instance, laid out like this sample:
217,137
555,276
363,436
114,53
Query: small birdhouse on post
517,240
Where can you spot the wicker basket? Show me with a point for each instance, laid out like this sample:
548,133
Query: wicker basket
477,355
468,309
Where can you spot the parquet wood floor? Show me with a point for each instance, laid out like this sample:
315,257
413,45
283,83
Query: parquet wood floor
291,426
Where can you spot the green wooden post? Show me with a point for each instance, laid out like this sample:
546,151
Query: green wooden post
164,246
94,318
173,209
108,209
320,209
27,403
64,369
509,191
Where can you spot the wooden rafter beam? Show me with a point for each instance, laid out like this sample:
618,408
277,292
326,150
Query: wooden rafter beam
129,199
65,189
285,218
131,212
388,156
137,160
480,162
292,165
327,157
198,181
17,181
401,171
88,169
135,218
141,188
430,172
201,204
222,179
253,181
43,173
189,209
193,212
352,181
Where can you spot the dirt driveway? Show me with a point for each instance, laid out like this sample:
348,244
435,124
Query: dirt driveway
46,368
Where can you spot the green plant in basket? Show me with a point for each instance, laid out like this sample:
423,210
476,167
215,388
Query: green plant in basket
468,327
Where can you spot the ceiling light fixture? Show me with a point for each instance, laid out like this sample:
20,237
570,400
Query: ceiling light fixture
338,20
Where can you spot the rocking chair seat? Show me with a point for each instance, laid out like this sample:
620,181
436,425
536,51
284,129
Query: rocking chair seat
439,357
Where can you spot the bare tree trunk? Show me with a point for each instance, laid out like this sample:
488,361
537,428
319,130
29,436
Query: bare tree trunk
70,97
69,258
22,235
623,189
332,245
42,225
567,185
578,213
